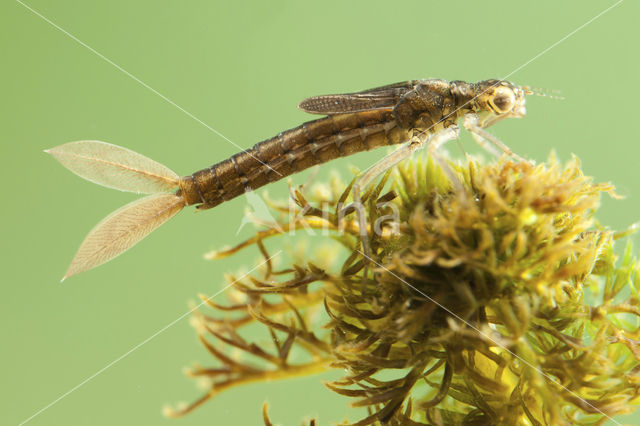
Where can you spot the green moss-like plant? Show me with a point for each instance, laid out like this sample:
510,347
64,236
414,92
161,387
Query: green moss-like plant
497,301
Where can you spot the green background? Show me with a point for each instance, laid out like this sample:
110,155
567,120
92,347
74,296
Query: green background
241,67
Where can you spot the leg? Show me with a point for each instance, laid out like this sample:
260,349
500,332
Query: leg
384,164
435,143
482,137
485,144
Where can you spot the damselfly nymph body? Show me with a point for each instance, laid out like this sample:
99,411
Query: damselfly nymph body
412,114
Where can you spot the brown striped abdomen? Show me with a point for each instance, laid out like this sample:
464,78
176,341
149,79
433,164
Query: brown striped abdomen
292,151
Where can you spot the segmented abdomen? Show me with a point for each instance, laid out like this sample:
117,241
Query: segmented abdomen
292,151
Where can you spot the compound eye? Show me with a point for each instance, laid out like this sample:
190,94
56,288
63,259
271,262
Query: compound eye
503,100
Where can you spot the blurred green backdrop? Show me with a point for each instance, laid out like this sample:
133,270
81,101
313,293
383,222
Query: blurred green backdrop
241,67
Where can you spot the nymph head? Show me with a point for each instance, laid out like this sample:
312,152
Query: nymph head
498,99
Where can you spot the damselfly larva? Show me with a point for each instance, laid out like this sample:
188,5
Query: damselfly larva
417,112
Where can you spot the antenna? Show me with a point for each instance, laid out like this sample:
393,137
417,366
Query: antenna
547,93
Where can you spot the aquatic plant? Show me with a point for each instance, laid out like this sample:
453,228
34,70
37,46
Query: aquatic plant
495,300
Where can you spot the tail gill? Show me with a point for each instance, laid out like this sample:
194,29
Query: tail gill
120,168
